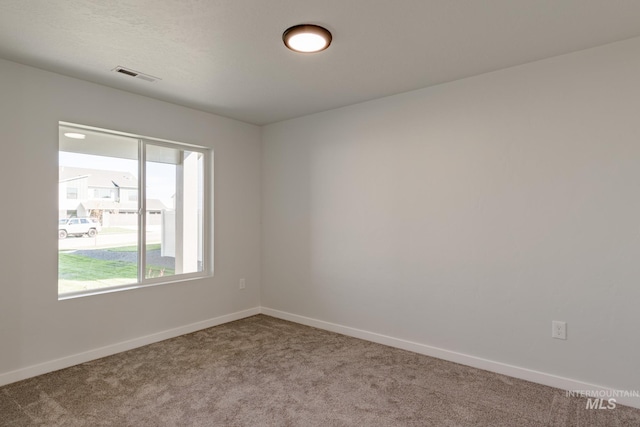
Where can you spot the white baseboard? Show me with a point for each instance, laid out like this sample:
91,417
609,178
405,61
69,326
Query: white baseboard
75,359
452,356
464,359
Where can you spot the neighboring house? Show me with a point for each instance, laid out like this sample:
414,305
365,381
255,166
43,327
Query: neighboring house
109,196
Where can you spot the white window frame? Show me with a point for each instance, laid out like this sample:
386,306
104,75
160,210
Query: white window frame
207,221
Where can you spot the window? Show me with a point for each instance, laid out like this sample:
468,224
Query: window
102,193
141,211
72,193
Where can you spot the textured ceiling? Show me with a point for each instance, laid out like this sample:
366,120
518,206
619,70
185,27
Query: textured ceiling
227,56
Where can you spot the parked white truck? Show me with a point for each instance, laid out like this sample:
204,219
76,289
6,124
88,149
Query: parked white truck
78,227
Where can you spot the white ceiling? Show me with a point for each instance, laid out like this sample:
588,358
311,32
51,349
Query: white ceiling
227,56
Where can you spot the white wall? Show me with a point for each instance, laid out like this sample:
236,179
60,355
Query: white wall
465,216
34,326
470,215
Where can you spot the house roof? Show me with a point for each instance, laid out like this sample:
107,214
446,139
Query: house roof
99,178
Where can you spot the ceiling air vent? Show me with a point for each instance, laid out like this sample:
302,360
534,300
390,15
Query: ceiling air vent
135,74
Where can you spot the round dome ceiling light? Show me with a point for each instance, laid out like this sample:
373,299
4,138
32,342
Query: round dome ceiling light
307,38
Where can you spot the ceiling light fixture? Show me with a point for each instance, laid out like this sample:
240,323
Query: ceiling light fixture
307,38
75,135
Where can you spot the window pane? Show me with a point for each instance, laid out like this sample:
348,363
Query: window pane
98,240
101,224
174,191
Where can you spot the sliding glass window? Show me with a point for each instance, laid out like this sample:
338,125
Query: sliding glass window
119,193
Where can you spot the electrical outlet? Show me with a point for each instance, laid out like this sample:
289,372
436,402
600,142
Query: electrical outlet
559,330
242,284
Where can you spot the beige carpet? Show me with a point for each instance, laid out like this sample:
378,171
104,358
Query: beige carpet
263,371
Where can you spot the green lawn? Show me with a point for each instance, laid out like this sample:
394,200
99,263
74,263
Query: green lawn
76,267
81,268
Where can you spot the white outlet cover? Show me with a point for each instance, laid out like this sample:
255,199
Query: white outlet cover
559,330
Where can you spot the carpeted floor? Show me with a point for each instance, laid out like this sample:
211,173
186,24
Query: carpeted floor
262,371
